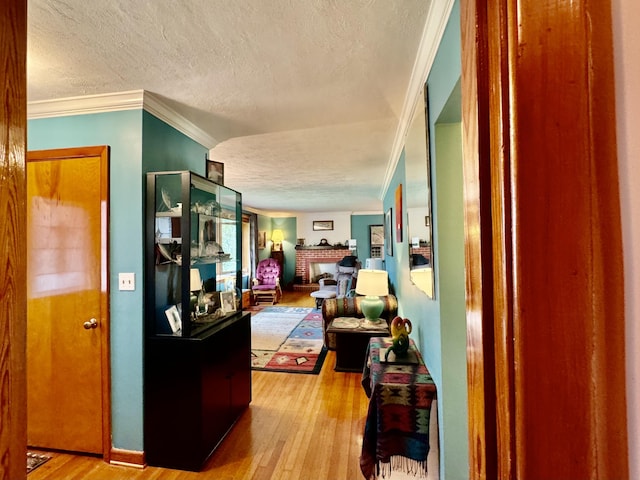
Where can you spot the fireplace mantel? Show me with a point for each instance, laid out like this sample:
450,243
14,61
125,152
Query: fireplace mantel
321,247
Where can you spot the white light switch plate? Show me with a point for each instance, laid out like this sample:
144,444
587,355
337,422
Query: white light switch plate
126,281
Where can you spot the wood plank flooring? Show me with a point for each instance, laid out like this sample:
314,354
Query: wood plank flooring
297,427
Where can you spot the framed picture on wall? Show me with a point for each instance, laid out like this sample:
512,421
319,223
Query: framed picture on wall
319,225
399,214
215,171
376,234
262,239
388,231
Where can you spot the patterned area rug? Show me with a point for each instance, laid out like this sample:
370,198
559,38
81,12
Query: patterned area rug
287,339
34,460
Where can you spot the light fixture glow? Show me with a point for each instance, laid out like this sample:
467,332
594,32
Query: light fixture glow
277,237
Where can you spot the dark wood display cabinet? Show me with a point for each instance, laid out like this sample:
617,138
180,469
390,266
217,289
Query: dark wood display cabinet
195,390
197,339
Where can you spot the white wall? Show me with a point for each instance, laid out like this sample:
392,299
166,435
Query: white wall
341,227
416,223
627,72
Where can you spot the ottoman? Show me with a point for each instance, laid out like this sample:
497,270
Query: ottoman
320,295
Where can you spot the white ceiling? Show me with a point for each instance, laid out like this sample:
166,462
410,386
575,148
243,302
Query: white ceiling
306,99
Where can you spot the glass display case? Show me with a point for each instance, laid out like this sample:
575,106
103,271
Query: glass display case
193,259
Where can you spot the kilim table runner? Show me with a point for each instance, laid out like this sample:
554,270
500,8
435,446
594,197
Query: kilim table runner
396,433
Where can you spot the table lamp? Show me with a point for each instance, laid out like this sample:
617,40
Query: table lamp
277,237
195,285
372,284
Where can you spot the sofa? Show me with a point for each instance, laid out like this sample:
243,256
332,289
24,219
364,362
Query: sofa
350,307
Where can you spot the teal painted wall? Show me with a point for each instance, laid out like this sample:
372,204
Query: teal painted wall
139,142
165,148
446,151
360,232
264,225
289,226
440,324
397,265
451,285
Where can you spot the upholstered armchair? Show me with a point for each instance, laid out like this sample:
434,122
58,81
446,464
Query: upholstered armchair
347,274
266,284
350,307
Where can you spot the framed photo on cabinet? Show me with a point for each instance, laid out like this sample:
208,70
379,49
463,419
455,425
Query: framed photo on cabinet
173,317
228,301
215,171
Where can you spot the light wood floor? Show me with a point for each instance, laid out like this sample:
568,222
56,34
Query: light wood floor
297,427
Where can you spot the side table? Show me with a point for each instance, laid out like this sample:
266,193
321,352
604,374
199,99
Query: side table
352,338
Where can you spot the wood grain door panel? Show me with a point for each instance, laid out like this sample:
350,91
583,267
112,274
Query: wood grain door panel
67,363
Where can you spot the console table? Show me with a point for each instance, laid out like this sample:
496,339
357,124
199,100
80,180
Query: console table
399,411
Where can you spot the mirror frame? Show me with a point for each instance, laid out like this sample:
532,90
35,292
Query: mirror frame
421,246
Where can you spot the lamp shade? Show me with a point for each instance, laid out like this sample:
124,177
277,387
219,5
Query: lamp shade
277,236
195,281
373,283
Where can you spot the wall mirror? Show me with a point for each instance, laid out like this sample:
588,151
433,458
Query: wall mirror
418,192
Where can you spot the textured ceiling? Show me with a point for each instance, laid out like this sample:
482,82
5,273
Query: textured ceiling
303,96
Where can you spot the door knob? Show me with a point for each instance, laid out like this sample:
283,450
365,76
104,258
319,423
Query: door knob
93,323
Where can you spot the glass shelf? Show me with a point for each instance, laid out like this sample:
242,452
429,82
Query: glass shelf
193,234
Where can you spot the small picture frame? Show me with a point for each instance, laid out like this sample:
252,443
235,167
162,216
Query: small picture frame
207,228
262,239
228,301
215,171
319,225
173,317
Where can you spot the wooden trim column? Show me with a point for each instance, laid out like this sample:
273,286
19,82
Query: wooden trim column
478,242
543,235
13,303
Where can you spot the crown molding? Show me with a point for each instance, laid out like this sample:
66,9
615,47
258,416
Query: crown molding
158,108
432,33
120,101
86,104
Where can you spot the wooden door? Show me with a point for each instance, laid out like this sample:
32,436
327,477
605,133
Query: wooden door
67,310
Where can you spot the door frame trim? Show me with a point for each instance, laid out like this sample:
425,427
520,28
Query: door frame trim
544,264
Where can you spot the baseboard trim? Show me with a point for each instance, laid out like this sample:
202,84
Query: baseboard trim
127,458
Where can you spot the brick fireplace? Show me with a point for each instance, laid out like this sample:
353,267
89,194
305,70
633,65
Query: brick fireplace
307,256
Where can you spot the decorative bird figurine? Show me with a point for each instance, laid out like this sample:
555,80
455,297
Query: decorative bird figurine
400,330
